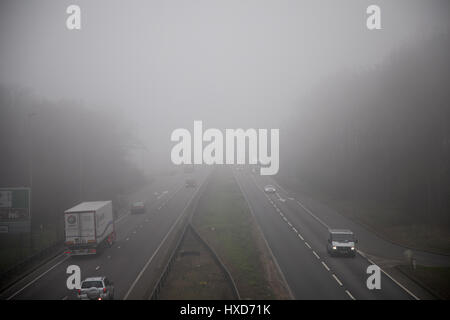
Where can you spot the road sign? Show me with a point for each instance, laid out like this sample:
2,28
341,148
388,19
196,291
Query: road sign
5,198
15,215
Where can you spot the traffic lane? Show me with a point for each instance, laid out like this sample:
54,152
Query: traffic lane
53,284
129,256
305,275
128,260
352,272
44,287
371,243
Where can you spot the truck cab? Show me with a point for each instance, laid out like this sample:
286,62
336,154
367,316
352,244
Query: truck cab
341,242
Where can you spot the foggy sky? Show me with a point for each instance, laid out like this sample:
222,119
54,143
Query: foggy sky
229,63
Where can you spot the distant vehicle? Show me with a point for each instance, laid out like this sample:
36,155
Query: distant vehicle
138,207
341,242
191,183
269,189
88,227
96,288
256,169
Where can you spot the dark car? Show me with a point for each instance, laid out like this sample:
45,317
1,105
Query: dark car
138,207
191,183
341,242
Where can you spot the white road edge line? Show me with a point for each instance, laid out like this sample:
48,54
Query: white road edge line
389,276
37,278
159,247
263,236
362,254
313,215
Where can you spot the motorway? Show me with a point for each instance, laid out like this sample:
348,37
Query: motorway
296,231
138,237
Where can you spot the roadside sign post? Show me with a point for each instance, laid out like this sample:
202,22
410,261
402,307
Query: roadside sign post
15,213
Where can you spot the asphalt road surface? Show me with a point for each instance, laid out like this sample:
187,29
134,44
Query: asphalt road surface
138,237
297,238
295,228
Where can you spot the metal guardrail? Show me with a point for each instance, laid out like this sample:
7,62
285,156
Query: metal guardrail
218,261
155,292
160,283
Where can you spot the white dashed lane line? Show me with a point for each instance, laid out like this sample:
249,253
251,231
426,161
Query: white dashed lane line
317,256
337,279
350,295
325,266
306,243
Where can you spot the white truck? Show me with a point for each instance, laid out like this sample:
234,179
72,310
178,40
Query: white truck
88,227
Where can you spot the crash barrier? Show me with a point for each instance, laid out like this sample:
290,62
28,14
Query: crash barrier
155,271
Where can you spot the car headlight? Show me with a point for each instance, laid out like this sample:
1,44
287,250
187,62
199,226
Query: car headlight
334,247
353,248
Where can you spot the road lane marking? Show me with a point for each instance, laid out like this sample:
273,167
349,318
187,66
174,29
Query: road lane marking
37,278
307,244
389,276
362,254
325,266
67,257
350,295
313,215
317,256
159,246
300,236
97,268
337,280
262,233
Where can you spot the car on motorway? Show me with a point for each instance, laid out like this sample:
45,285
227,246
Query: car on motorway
341,242
96,288
138,207
269,189
191,183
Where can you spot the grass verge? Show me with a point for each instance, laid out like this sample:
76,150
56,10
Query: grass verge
224,220
436,279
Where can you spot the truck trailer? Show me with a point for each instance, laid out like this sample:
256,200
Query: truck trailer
89,226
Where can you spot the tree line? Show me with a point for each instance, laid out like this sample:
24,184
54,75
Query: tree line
380,135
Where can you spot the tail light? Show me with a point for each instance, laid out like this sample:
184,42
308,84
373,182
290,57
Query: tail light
104,290
79,291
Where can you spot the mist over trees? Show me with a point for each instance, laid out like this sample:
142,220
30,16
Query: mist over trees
380,135
66,152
